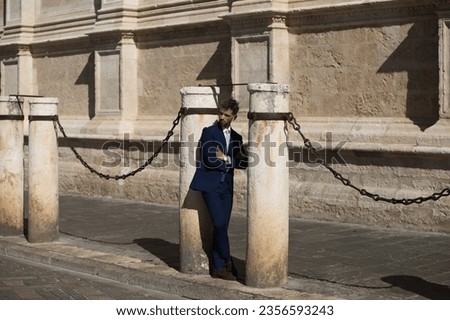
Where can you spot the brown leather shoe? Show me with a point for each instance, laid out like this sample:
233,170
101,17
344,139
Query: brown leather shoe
229,266
223,274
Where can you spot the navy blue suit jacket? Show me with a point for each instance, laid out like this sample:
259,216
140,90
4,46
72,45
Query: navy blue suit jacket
211,170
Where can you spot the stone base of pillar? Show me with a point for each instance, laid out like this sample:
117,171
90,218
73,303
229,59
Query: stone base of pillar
196,238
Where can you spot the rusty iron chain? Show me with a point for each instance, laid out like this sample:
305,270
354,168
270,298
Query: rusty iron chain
346,182
296,126
155,154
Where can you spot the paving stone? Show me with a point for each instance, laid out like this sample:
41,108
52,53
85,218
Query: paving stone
24,280
344,260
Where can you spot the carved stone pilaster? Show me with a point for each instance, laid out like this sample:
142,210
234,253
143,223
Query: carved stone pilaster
260,50
444,64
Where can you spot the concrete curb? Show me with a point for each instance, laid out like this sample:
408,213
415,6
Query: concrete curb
132,271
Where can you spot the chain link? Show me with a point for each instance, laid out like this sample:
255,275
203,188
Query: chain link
346,182
170,133
296,126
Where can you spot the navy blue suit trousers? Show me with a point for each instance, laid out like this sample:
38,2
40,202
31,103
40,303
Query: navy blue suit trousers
214,178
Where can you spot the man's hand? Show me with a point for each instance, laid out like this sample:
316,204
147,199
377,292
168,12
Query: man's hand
221,156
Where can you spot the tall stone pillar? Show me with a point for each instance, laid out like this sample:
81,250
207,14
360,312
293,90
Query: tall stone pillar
268,189
11,167
195,225
43,215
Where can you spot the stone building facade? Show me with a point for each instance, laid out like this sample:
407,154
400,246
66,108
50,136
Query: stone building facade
368,83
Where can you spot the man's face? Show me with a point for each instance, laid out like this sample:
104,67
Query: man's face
226,116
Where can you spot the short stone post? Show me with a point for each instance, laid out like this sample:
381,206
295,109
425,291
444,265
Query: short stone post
195,224
43,215
268,188
11,167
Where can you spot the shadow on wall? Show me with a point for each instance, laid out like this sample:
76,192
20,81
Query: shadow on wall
97,5
86,77
218,69
420,286
417,55
230,5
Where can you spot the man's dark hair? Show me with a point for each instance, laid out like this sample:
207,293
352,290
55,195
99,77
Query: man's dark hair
230,104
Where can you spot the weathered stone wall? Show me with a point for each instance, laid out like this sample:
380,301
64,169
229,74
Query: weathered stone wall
367,79
370,85
167,66
68,76
367,71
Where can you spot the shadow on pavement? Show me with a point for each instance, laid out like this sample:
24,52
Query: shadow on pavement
167,251
419,286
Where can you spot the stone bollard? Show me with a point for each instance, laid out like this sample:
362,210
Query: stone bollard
43,215
268,188
195,224
11,167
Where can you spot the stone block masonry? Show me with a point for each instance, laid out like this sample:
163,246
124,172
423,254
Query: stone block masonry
368,76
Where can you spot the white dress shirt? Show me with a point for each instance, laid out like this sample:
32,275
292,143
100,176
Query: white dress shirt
227,134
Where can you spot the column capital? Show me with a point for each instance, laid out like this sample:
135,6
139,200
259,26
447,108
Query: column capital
24,49
127,37
43,106
9,106
199,97
268,97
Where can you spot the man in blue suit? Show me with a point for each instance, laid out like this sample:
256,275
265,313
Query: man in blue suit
221,151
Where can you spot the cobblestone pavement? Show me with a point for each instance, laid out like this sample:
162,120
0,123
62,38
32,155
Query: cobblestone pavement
137,242
344,260
24,280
